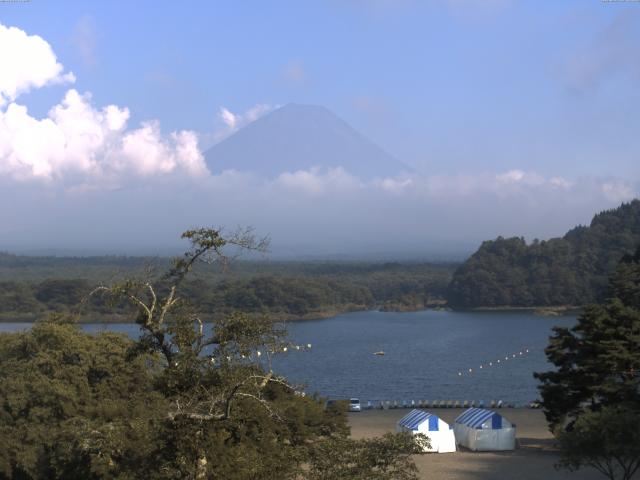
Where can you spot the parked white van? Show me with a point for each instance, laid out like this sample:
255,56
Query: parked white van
354,405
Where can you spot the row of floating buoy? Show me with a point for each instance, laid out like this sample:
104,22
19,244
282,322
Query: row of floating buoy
254,356
393,404
498,362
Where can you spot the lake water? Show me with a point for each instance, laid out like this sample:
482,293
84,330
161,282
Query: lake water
425,352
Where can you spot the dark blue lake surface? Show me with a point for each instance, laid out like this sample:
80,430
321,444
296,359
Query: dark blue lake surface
424,354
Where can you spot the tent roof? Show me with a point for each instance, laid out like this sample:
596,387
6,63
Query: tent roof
416,417
475,417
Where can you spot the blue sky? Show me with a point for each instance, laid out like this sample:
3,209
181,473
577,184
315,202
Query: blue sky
451,87
437,83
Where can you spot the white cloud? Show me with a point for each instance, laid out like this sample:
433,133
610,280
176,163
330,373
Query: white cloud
512,176
27,62
317,181
618,191
315,210
560,182
512,183
256,112
235,121
394,185
516,185
146,152
304,181
77,142
519,177
228,118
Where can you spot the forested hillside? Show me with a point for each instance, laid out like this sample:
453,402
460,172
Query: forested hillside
31,287
571,270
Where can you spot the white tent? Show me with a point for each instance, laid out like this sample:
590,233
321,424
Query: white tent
439,432
484,430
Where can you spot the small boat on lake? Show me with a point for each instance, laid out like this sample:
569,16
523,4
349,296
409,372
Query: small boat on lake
380,353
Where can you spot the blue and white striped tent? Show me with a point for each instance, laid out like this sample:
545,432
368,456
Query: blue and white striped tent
481,429
440,434
481,418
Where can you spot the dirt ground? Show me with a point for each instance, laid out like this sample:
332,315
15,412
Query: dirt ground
533,460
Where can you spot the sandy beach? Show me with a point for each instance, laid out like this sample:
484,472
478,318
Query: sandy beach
533,460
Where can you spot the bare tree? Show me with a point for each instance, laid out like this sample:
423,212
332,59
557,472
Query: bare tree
208,367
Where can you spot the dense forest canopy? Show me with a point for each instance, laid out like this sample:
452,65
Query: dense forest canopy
32,286
571,270
591,398
180,401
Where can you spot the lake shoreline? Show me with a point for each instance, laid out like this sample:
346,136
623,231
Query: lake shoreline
282,316
555,310
560,310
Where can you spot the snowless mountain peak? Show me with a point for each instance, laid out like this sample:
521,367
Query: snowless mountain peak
300,137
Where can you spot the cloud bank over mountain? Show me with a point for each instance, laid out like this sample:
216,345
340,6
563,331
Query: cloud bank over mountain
82,178
316,212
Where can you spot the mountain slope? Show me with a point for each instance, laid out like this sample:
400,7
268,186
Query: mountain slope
572,270
299,137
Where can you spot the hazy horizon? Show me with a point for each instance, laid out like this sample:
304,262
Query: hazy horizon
511,118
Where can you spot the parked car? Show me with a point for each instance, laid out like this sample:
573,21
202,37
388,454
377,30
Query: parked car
354,405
